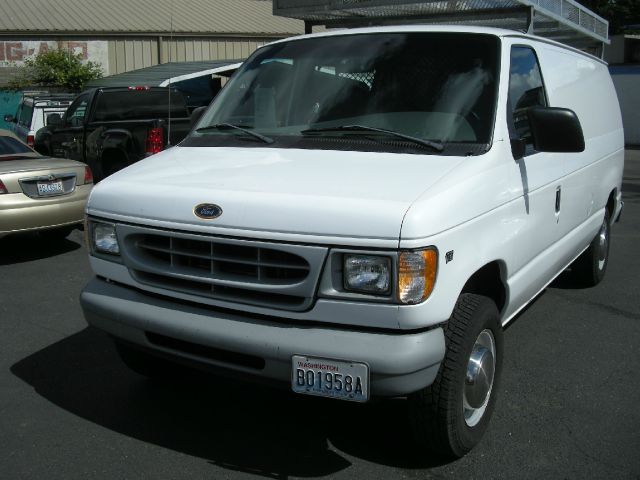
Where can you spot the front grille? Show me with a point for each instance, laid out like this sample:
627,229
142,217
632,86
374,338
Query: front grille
240,271
233,262
221,292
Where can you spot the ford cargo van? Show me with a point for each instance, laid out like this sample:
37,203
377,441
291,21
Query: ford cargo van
359,213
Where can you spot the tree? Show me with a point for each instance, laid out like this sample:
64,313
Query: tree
623,15
57,69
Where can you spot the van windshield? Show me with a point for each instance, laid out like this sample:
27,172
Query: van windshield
439,87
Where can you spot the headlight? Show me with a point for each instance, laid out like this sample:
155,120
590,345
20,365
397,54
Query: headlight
416,275
103,237
367,273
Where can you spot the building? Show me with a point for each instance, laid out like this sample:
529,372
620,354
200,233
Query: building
122,35
624,64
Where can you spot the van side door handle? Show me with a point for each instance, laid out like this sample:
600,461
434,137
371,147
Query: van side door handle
558,198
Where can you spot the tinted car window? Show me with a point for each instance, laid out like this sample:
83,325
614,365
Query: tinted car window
11,146
526,89
198,91
77,111
139,105
25,115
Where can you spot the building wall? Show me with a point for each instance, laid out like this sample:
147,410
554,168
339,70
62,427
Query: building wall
614,53
9,102
185,49
15,50
626,80
132,53
124,53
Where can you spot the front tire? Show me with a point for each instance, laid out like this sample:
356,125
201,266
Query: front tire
452,414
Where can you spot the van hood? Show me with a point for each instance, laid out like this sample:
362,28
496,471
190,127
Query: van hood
323,194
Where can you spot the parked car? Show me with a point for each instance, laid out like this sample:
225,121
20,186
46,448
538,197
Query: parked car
359,213
39,193
33,112
111,128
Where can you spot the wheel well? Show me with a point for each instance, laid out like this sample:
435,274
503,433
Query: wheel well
488,282
611,204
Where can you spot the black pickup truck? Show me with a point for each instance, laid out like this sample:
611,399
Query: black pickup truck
110,128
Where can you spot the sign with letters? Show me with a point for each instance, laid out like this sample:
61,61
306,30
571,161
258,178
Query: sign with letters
13,53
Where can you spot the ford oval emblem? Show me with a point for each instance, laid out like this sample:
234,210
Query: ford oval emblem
207,211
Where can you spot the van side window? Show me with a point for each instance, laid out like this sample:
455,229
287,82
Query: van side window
526,89
25,115
18,113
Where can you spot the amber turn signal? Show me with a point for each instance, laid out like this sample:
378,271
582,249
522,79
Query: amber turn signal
416,275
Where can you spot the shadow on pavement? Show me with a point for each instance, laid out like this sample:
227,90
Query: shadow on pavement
27,247
239,427
566,281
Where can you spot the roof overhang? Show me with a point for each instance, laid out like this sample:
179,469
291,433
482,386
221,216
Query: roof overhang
168,73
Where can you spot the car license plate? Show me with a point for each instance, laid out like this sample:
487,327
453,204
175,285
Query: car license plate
50,188
330,378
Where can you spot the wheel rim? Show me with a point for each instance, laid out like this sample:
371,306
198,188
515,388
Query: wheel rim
479,378
603,244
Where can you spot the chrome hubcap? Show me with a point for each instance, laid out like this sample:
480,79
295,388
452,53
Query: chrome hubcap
603,242
479,378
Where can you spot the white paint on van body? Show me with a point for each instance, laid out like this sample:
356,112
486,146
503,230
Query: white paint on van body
487,208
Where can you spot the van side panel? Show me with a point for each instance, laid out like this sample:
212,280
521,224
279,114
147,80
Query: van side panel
584,85
531,243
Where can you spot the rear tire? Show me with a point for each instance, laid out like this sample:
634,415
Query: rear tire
589,268
452,414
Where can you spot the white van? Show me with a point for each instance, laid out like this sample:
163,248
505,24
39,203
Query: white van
359,213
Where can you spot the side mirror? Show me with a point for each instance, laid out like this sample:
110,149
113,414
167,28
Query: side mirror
8,118
518,148
54,120
196,115
555,130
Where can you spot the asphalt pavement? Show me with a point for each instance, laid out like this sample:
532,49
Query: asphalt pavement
568,406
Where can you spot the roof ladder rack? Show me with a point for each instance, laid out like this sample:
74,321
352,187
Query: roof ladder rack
565,21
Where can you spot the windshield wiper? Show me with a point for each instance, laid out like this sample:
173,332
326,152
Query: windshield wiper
363,128
229,126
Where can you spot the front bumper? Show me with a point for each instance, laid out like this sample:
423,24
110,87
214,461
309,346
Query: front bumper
399,363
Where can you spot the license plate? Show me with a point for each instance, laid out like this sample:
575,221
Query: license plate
50,188
330,378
